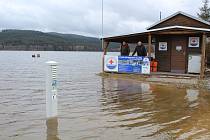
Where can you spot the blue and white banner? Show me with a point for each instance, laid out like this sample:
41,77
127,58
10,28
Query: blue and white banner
127,64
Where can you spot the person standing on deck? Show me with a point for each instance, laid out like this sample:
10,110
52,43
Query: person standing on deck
124,49
140,49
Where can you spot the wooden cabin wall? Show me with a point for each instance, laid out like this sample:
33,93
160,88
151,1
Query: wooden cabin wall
179,58
208,55
181,20
169,61
193,50
163,57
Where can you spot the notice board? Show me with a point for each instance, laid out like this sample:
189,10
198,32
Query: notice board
127,64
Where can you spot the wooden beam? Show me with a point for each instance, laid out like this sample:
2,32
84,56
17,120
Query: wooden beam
149,45
203,57
105,46
175,33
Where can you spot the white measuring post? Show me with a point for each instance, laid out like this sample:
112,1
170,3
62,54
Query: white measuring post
51,89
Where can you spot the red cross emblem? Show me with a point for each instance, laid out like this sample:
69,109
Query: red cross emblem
111,61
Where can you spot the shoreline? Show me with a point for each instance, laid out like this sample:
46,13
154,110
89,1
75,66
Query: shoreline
193,83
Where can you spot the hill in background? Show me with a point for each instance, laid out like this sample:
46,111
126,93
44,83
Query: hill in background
29,40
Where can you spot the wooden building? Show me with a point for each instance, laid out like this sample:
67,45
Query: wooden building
177,39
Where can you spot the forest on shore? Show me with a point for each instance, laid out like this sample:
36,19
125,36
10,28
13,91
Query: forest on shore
29,40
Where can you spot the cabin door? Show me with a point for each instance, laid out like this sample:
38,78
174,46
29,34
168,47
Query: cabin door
178,54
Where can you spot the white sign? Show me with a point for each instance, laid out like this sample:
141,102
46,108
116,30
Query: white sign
194,42
163,46
111,63
178,48
146,66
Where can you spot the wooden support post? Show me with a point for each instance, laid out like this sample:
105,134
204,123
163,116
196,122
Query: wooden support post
149,44
203,57
105,46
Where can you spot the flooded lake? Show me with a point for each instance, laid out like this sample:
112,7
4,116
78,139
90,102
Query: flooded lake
91,107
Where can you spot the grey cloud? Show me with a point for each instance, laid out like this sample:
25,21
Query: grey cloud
84,16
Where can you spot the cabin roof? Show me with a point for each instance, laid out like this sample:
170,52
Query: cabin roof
180,27
175,14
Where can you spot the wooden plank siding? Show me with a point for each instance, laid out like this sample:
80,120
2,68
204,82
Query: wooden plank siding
195,50
208,55
181,20
179,58
171,60
163,57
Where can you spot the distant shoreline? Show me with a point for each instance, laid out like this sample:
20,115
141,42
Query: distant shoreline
29,40
56,51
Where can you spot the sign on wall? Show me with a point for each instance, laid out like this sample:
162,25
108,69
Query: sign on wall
179,48
111,63
194,42
163,46
127,64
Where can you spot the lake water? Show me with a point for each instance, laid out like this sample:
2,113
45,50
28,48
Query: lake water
91,107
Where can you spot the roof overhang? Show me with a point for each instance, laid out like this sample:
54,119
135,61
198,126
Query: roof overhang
135,37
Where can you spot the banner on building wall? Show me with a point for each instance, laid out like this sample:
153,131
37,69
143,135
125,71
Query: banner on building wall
127,64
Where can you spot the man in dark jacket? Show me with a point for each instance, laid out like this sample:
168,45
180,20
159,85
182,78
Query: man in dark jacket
140,49
124,49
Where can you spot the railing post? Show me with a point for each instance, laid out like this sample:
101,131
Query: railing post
149,44
105,46
203,57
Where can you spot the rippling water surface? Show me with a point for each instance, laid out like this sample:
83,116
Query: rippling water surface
92,107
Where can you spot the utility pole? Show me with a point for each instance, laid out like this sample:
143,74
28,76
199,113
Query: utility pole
160,16
102,24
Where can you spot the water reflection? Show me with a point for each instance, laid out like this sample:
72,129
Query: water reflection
163,112
52,129
192,97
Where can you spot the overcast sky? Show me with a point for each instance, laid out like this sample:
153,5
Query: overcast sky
84,16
